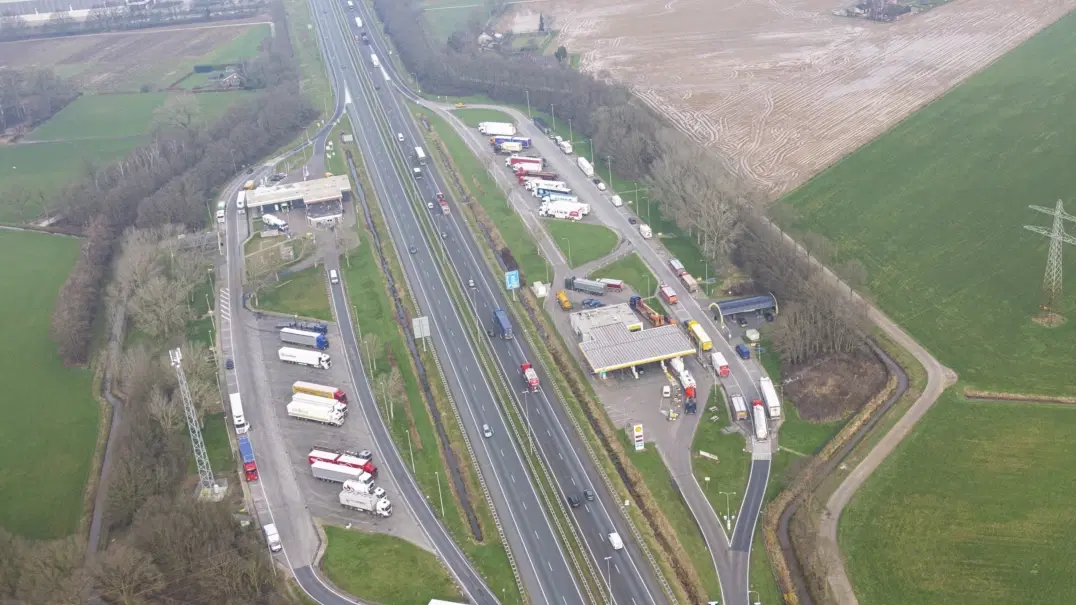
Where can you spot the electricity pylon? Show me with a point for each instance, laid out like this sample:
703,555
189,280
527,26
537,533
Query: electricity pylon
1051,284
201,458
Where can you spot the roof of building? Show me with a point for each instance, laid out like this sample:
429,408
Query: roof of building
585,321
613,348
747,305
309,192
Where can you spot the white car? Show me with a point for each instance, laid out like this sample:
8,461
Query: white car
488,432
334,277
666,391
399,137
429,205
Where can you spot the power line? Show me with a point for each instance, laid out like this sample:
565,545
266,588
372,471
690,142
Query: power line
1051,283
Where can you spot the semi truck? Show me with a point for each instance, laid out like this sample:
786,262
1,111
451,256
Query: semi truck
656,319
769,394
614,285
759,416
313,359
524,142
358,487
319,390
374,61
699,335
502,325
585,166
721,365
667,294
552,211
739,407
304,410
566,147
420,156
677,365
565,302
560,197
342,458
677,267
246,452
540,187
304,338
272,537
690,283
324,402
530,377
509,147
517,162
336,473
584,285
239,419
366,503
497,128
645,231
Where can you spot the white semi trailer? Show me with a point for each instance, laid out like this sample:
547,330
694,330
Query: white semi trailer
366,503
313,359
315,413
769,395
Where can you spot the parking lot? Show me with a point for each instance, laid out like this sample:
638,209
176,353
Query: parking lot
301,436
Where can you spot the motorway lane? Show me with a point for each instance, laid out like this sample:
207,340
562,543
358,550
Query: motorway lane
546,573
629,573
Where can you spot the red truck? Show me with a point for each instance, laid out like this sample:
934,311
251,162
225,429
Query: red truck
246,452
522,174
530,377
343,459
442,202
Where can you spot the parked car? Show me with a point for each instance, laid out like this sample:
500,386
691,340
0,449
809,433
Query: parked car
741,321
229,364
631,219
666,391
592,303
768,315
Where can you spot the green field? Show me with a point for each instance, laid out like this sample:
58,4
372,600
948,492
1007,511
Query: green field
579,242
302,293
474,174
385,569
49,428
474,117
444,17
975,508
633,271
935,210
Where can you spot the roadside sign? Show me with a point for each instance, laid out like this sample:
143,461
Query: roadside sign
637,434
511,280
421,327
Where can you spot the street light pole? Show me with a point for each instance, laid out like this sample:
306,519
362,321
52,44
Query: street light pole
608,578
553,113
759,601
439,496
571,135
528,92
728,510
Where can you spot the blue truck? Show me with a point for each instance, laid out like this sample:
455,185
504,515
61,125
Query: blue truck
246,452
502,325
524,142
313,340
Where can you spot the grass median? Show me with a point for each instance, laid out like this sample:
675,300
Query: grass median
301,293
581,243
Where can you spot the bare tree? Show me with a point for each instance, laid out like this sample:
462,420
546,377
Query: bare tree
179,111
53,572
140,372
159,307
165,409
127,576
11,552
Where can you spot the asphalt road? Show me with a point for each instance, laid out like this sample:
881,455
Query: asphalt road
546,573
626,571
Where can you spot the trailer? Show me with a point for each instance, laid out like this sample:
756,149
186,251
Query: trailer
690,283
530,377
589,286
525,175
497,128
366,503
509,147
246,453
566,147
374,61
319,390
306,326
699,335
502,325
329,404
667,294
524,142
304,338
239,419
739,407
241,201
420,156
537,186
759,416
721,365
335,473
356,461
656,319
677,365
677,267
313,412
559,197
516,162
585,166
769,394
313,359
613,285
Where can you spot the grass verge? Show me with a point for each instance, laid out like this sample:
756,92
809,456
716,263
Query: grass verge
385,569
473,117
631,270
581,243
301,293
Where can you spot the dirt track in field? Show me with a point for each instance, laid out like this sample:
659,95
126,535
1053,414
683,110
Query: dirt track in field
783,88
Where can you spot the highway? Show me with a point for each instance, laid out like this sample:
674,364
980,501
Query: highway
547,575
626,571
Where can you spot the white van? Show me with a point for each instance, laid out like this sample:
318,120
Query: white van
334,277
617,201
272,538
615,541
220,216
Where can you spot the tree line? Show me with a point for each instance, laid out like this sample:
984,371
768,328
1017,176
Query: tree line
31,96
123,18
724,217
172,180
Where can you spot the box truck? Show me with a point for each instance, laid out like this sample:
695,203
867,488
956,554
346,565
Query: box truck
303,338
721,365
759,416
769,394
246,453
585,166
645,231
239,419
739,407
366,503
272,537
313,359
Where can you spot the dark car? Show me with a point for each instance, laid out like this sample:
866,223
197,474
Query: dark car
592,303
229,364
741,321
589,495
631,219
573,501
413,250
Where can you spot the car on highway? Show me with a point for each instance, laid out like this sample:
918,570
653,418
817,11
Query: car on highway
573,501
444,235
488,432
429,205
592,303
615,541
470,283
400,137
412,249
589,495
334,277
631,219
